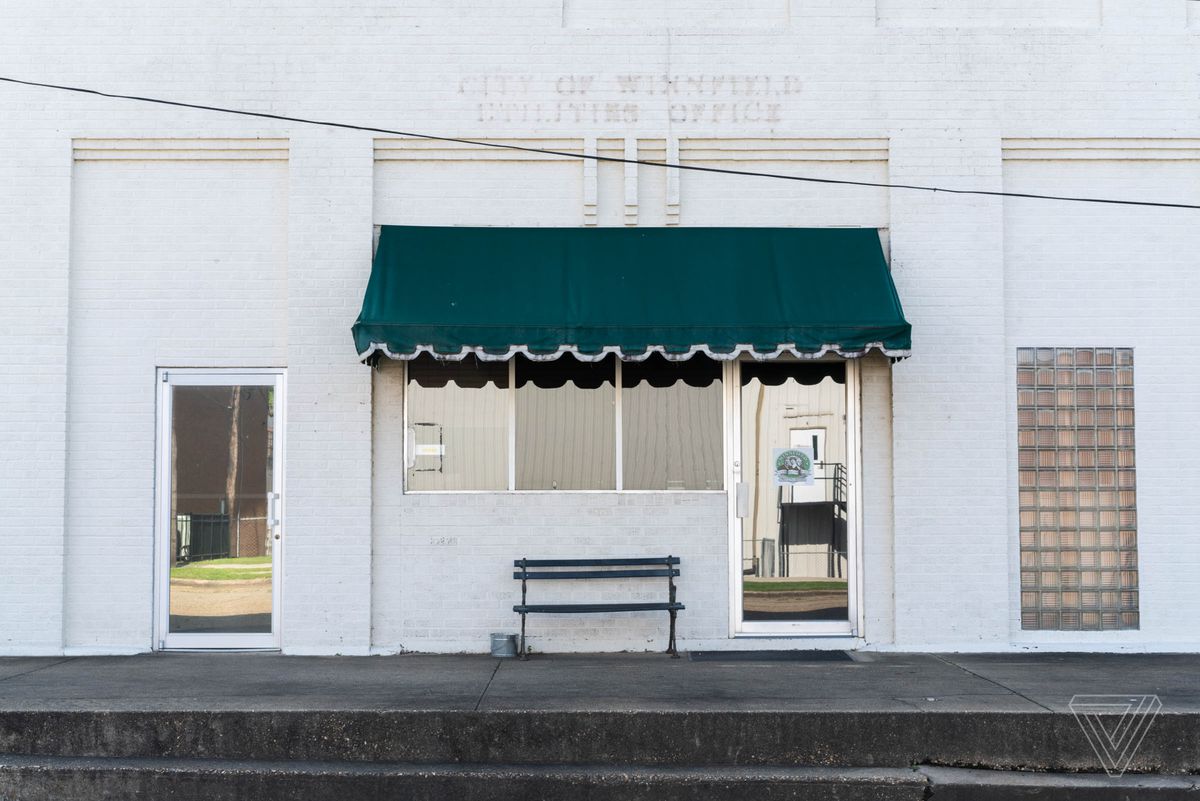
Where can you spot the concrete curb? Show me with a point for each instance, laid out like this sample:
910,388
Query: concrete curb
951,784
75,779
991,740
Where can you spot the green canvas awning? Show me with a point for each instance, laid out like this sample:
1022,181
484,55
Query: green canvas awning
543,292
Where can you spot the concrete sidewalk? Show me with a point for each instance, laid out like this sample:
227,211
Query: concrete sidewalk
616,727
867,682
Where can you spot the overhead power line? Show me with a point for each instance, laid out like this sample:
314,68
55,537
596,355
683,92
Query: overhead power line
595,157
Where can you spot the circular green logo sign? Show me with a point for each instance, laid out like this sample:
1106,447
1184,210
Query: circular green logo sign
793,466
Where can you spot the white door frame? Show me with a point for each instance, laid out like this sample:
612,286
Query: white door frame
853,627
167,378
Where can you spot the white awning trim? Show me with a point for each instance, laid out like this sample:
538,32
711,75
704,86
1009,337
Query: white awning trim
642,355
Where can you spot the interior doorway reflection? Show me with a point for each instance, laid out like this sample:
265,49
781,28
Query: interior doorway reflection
795,471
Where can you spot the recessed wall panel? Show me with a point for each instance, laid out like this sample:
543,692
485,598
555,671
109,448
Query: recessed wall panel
174,262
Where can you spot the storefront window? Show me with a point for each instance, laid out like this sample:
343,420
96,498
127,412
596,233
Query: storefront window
557,425
565,424
671,433
457,424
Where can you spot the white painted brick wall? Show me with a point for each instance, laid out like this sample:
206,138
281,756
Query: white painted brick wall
951,529
1000,14
173,264
878,513
327,507
1130,278
944,83
442,572
34,215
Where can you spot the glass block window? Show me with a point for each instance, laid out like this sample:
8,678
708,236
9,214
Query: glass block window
1077,489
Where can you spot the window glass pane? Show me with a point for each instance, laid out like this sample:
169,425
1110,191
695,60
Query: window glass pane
566,427
458,424
795,461
671,424
221,459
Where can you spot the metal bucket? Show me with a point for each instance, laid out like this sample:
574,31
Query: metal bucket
504,645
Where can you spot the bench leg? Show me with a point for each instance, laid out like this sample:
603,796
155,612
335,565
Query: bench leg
523,656
671,645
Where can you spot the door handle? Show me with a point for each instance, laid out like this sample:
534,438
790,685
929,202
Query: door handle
273,511
410,448
742,499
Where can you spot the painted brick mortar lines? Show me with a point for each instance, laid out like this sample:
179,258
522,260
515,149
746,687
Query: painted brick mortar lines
172,264
327,555
35,175
421,539
951,525
1133,278
105,268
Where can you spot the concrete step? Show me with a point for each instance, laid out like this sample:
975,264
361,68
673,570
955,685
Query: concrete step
87,779
953,784
82,779
1050,742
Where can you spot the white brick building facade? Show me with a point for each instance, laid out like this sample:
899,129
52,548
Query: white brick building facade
137,237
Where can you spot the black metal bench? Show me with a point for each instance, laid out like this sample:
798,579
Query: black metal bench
645,567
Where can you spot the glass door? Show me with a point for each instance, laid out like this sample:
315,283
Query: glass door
220,509
794,521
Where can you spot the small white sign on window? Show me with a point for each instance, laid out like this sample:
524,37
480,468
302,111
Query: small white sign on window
792,467
430,450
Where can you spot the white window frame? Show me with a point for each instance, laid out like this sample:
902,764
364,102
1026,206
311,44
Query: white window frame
167,378
853,626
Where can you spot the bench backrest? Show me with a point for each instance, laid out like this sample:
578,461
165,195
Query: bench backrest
643,567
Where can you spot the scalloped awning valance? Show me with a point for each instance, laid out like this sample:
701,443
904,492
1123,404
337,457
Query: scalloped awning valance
545,292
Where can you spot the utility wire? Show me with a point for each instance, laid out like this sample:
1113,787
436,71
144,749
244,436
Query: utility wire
594,157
